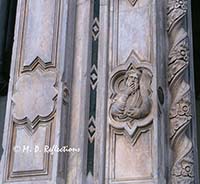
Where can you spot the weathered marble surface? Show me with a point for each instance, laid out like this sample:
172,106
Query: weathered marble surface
37,113
135,147
56,65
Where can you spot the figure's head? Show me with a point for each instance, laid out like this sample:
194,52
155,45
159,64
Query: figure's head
132,78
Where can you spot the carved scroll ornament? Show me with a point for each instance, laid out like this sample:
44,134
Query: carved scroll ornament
131,95
182,169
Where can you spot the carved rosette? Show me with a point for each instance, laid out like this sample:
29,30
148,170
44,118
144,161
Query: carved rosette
182,169
131,103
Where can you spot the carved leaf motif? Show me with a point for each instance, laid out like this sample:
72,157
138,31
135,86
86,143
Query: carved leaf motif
176,11
34,95
182,170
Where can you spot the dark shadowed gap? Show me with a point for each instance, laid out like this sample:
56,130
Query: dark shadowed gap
7,24
196,52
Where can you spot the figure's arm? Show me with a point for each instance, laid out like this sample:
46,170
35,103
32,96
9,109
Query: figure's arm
118,106
146,107
142,111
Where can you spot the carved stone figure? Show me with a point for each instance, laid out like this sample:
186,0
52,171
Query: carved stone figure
131,103
131,107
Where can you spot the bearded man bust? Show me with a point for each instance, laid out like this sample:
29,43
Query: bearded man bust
131,103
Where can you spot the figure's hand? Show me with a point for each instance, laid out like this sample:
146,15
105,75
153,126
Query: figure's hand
130,89
133,113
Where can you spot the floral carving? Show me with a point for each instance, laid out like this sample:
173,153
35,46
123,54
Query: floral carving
182,170
180,52
178,58
176,11
34,95
180,116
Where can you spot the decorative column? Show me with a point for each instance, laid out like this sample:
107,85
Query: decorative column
181,113
39,89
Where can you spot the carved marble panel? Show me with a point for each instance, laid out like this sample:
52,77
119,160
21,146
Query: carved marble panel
133,115
132,162
38,98
34,96
131,101
28,157
39,32
127,34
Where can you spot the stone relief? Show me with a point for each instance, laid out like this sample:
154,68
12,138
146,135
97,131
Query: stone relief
131,103
131,94
34,95
177,9
182,169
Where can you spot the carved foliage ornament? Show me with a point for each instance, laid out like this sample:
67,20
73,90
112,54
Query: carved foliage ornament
177,9
182,170
178,58
131,102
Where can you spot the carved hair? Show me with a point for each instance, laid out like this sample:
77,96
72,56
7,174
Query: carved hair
131,70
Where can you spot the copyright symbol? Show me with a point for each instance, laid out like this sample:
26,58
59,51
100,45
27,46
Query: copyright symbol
16,149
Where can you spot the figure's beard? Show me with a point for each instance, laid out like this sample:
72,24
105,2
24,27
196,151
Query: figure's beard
134,86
